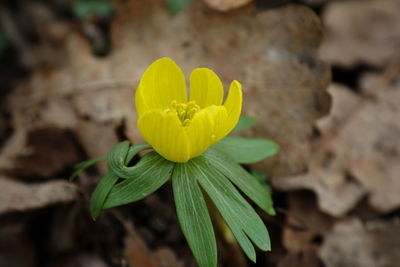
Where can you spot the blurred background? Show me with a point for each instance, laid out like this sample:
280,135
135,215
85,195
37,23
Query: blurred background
320,76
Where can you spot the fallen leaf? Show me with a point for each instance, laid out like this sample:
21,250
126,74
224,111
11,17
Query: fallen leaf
40,152
308,257
356,244
358,153
165,257
226,5
373,159
16,249
305,223
361,32
19,196
138,253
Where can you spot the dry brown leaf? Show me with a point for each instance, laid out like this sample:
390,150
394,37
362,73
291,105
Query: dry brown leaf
165,257
16,248
226,5
18,196
82,259
359,154
307,258
40,152
305,223
326,175
138,253
362,32
370,149
354,244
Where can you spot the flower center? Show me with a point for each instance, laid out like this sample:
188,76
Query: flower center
185,111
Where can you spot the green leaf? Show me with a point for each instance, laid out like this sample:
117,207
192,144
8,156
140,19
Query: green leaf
121,154
246,150
244,123
240,216
193,216
100,193
246,182
262,177
151,172
84,165
83,9
175,6
136,148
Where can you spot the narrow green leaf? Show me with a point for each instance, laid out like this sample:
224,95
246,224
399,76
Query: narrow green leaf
240,216
121,154
101,192
193,216
246,182
84,165
136,148
244,123
247,150
262,177
175,6
151,172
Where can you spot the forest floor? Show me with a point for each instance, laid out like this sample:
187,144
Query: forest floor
320,76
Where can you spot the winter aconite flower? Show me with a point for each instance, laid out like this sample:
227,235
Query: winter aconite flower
179,127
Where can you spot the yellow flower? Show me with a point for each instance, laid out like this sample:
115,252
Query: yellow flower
179,128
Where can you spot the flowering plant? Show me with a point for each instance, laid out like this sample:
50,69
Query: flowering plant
188,143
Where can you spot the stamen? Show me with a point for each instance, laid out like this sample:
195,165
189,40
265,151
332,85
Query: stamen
191,113
184,111
173,104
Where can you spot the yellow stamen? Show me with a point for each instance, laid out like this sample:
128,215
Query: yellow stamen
184,111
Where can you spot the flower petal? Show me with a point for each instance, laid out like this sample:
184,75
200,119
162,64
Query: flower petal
165,133
161,83
206,88
233,105
202,131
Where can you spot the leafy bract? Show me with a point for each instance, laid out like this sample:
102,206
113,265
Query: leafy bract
241,178
121,154
84,165
262,177
247,150
149,174
101,192
193,215
244,123
103,188
240,216
215,172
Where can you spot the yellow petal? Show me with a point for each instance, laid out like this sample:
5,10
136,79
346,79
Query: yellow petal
203,129
233,105
161,83
165,133
205,88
